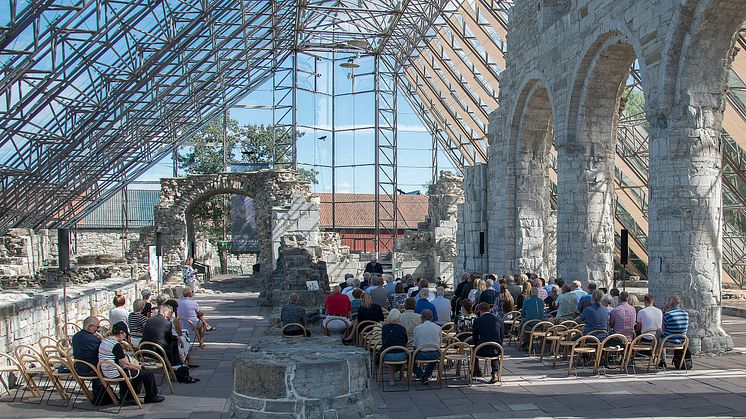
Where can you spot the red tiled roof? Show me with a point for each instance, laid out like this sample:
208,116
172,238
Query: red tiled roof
354,210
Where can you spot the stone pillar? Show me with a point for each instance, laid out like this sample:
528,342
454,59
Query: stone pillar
301,378
585,224
685,241
501,199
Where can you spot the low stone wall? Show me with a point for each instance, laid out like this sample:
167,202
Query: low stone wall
26,316
301,378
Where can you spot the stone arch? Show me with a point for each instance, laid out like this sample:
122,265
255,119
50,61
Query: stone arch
532,131
585,165
283,204
685,244
188,214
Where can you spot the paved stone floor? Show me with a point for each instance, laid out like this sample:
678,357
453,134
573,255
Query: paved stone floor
716,387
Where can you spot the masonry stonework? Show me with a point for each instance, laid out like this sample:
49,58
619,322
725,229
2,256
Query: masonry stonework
567,63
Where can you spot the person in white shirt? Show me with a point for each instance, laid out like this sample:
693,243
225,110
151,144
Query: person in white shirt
118,313
650,318
442,306
348,291
427,338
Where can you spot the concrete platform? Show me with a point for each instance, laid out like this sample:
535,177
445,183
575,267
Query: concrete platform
716,386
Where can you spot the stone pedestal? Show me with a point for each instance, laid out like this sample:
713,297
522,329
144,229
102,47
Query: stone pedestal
301,377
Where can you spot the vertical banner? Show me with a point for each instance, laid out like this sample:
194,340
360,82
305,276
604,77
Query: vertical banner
243,225
154,266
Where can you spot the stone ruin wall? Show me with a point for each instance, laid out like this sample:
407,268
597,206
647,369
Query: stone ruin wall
430,251
565,64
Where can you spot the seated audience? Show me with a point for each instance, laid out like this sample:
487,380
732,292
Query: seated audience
189,310
396,300
347,289
615,297
393,334
595,316
118,313
567,302
487,328
366,281
524,295
357,301
489,295
158,329
369,310
587,299
409,319
607,302
379,294
293,313
338,310
479,286
147,306
551,299
111,350
675,319
136,320
622,318
442,306
85,345
350,290
390,284
427,337
466,317
424,303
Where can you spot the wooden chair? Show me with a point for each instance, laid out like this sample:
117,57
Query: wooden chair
477,358
605,351
357,328
449,328
462,336
525,331
186,325
47,341
84,379
127,347
9,365
438,363
154,347
538,332
404,364
552,337
646,345
65,345
565,344
150,360
672,342
60,368
570,324
286,330
33,364
586,345
459,355
71,329
123,378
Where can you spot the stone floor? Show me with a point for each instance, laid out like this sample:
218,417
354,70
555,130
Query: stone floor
716,387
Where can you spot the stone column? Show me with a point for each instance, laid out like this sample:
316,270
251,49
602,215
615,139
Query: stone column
585,223
685,241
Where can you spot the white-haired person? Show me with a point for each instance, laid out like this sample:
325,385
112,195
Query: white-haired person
393,334
442,306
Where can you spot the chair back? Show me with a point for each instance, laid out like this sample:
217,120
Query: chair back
462,336
71,329
448,328
556,330
47,341
675,341
613,337
395,349
123,377
587,341
461,348
512,315
152,346
293,326
570,324
489,345
542,326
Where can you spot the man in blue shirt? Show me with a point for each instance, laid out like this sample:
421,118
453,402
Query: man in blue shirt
586,300
675,319
532,309
423,304
595,316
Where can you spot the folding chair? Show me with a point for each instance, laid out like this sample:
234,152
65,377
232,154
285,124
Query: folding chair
83,379
123,378
152,361
9,365
190,325
154,347
32,364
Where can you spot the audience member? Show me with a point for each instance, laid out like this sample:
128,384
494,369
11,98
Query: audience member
587,299
606,301
567,302
578,290
635,303
338,311
118,313
136,320
489,295
595,316
442,306
466,289
615,297
487,328
409,319
189,310
347,289
85,345
147,306
369,310
393,334
390,284
292,312
523,296
379,294
424,303
396,300
551,300
159,330
111,350
514,289
366,280
675,319
622,318
357,300
650,318
466,317
427,337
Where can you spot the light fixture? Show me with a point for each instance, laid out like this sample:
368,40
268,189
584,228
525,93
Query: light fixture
358,43
350,64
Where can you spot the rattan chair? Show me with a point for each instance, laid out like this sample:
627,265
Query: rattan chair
449,328
525,331
587,345
357,328
477,358
552,337
458,355
123,378
538,332
565,344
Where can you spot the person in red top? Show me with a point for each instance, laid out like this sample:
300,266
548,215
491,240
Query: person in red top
338,310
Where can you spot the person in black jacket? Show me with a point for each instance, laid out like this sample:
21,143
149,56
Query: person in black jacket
374,267
490,294
393,334
487,328
158,330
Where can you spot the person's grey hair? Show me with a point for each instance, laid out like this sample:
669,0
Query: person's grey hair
509,279
674,301
534,291
426,315
337,288
606,299
293,297
356,283
138,305
165,309
145,293
465,276
349,282
89,321
366,276
577,285
187,292
490,283
597,296
440,291
424,293
389,278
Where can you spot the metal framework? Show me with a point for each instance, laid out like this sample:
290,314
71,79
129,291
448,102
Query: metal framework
93,93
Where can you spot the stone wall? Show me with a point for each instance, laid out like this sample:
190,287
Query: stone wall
298,262
25,316
24,252
566,66
472,220
100,241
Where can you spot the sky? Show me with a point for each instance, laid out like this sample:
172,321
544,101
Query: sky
353,120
